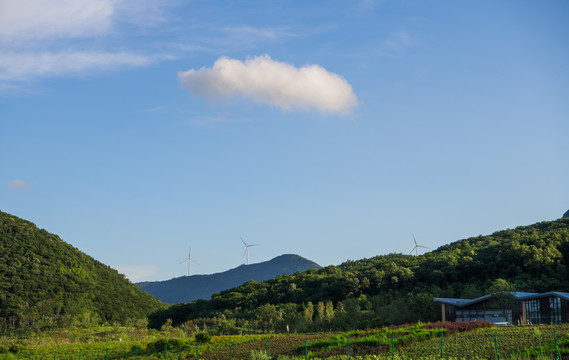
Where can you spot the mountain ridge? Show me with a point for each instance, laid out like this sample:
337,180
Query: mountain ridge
196,287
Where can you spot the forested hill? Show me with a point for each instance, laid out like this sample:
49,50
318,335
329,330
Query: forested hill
397,288
189,288
41,276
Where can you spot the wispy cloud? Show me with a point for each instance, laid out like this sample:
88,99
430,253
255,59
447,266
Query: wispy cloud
228,38
142,13
271,82
25,66
251,33
18,185
39,19
40,38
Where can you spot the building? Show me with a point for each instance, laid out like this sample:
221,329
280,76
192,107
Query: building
519,308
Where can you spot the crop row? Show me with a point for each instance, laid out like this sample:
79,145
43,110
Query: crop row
160,349
281,345
485,343
421,341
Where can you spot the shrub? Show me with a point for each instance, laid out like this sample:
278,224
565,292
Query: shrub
160,345
454,327
3,349
202,337
259,355
16,348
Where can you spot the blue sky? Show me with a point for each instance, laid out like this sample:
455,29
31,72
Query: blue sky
329,129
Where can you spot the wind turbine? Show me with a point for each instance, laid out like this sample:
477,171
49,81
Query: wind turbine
417,246
189,260
247,250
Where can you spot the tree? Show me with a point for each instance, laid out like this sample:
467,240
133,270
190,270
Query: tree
329,308
502,293
471,291
293,319
268,316
321,310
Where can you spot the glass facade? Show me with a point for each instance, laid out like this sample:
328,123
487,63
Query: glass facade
532,312
529,308
495,316
555,310
545,310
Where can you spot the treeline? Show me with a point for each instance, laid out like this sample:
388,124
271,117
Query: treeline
349,314
45,280
397,288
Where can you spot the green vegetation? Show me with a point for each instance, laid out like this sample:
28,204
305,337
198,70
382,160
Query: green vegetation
47,282
52,296
391,289
477,340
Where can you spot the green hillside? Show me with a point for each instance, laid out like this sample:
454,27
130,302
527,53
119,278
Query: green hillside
42,277
398,288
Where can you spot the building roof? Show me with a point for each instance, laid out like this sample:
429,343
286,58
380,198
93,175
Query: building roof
563,295
467,302
455,302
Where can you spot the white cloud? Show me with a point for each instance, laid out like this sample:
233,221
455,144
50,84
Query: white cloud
18,66
39,19
40,38
271,82
18,185
136,272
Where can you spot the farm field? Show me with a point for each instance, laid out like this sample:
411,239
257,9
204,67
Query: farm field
417,341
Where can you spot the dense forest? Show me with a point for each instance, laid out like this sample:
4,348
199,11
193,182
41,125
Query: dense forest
392,288
43,278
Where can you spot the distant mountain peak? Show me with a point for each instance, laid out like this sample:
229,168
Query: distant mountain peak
566,215
189,288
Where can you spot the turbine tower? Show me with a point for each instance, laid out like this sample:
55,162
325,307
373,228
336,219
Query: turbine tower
189,260
417,246
246,253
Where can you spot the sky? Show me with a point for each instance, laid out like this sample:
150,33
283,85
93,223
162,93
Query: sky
335,130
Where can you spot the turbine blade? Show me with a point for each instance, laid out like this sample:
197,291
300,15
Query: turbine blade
243,241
